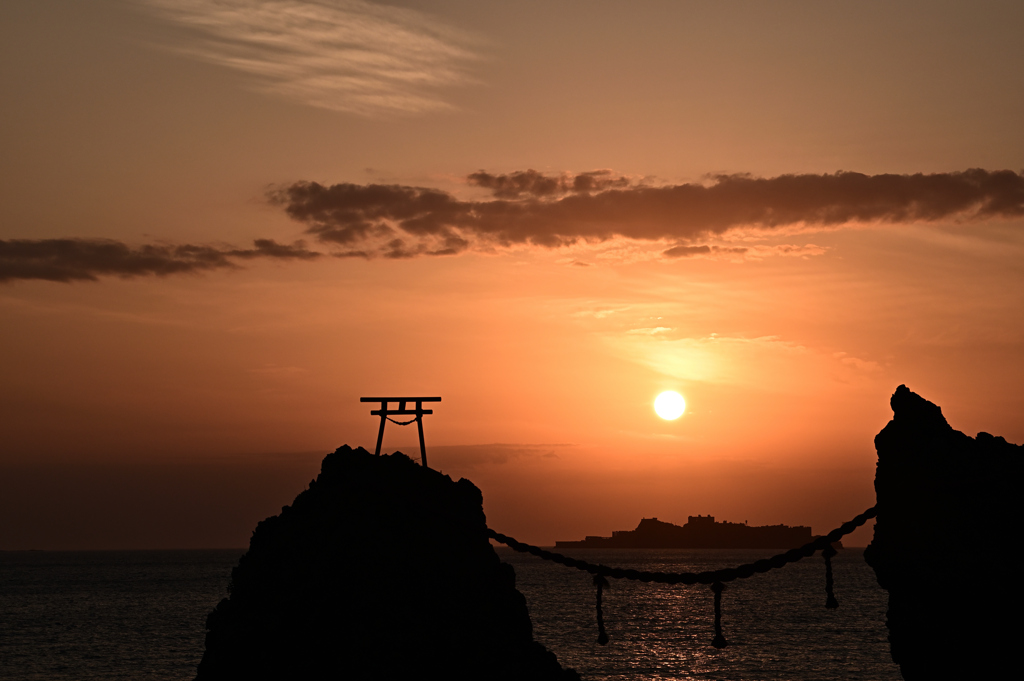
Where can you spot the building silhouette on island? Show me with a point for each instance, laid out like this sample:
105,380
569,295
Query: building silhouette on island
699,532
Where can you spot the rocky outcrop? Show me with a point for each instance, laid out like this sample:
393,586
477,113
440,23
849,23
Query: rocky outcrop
380,570
945,542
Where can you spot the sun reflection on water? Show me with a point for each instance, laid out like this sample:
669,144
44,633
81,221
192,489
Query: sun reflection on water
776,623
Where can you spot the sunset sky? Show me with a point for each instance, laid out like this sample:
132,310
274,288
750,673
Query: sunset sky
224,221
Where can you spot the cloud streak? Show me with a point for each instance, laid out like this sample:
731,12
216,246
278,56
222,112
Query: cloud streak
530,208
68,260
347,55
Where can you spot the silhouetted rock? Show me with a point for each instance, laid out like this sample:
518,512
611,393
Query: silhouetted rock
380,570
945,543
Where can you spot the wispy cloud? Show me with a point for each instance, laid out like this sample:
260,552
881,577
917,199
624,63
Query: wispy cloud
714,359
752,252
345,55
600,313
67,260
686,251
530,208
650,331
769,362
472,457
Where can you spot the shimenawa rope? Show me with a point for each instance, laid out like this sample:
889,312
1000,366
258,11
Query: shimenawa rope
402,423
716,578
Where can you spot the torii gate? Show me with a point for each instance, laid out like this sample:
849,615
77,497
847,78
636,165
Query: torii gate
385,413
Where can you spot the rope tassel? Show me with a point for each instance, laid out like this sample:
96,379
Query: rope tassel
830,598
602,635
719,640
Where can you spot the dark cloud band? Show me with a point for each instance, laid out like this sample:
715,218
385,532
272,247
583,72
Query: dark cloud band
67,260
529,207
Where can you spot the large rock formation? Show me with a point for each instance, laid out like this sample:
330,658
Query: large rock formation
380,570
949,517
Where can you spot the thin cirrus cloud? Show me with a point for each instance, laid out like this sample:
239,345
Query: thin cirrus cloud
347,55
68,260
531,208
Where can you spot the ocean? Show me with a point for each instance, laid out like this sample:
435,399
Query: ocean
776,624
140,615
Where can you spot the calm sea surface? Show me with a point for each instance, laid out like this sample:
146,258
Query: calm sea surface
776,623
140,615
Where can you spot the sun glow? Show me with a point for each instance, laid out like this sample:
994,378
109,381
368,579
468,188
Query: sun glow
670,405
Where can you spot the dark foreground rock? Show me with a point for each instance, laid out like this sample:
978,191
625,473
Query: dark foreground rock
380,570
945,545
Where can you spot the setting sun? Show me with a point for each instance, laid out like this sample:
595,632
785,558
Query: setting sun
670,405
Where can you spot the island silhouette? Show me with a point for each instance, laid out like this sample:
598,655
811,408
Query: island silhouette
699,532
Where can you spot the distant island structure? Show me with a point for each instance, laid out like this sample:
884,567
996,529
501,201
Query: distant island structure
699,532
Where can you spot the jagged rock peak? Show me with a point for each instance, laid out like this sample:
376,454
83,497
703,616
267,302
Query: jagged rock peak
949,512
382,569
909,407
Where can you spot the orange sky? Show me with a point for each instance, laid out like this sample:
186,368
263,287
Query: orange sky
182,344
